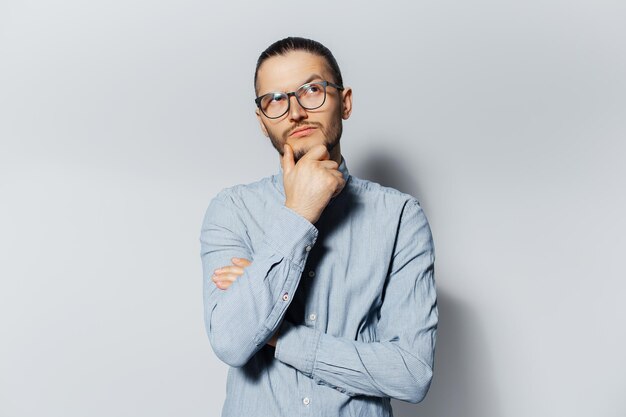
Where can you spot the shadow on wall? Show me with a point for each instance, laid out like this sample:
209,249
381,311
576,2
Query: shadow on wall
462,384
385,169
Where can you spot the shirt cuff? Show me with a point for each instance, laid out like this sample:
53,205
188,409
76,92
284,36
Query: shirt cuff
291,235
297,346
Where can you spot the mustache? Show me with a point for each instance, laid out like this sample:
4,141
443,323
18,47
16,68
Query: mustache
301,125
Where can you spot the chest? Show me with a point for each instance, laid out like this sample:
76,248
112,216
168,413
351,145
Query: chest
342,284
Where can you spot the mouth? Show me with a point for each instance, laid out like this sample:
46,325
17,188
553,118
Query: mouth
304,131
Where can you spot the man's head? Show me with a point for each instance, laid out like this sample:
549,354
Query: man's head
286,66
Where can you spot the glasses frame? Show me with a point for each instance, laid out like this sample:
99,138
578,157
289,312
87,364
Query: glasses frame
324,83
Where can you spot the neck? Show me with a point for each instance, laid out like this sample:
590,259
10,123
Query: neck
335,154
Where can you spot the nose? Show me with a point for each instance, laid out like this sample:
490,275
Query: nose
296,111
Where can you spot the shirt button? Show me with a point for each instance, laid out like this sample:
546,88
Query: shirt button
285,296
306,401
312,316
308,248
311,274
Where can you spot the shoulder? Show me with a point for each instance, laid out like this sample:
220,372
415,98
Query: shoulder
388,205
375,193
235,205
236,196
387,209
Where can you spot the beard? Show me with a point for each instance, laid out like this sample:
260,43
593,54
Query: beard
332,135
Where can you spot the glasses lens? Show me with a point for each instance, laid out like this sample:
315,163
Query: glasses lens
274,104
312,95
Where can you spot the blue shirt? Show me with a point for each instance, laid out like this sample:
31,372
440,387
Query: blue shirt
353,297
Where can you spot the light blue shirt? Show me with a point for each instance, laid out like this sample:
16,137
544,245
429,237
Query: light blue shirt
353,297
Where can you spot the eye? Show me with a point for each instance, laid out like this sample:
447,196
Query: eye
313,88
273,99
276,97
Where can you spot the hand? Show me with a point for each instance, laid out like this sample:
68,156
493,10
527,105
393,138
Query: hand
310,183
225,276
274,339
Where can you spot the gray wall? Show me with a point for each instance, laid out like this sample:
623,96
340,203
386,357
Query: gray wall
119,120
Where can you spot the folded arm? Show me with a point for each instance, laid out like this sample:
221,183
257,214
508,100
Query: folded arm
399,364
241,320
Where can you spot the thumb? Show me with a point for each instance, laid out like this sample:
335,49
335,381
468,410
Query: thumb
241,262
287,160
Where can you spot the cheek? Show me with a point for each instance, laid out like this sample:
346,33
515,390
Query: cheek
276,131
332,126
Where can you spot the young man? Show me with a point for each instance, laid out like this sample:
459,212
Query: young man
318,286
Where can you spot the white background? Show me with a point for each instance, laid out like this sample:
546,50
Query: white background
120,120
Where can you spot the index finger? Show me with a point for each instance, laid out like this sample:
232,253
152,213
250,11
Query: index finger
318,153
286,159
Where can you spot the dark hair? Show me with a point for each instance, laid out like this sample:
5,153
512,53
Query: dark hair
291,43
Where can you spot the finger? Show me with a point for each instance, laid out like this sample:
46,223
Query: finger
337,174
225,277
223,285
338,190
287,161
229,269
341,183
243,262
329,164
224,282
318,153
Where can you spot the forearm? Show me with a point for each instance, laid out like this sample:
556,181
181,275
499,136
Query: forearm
381,369
243,318
399,363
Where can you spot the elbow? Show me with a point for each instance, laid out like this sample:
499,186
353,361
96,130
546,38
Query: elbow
235,361
230,351
228,346
418,390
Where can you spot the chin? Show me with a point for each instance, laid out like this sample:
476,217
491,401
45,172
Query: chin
303,145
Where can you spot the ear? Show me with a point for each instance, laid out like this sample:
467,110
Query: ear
260,119
346,103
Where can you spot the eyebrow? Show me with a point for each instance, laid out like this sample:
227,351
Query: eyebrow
308,80
311,78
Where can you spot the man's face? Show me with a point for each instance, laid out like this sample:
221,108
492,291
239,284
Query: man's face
322,125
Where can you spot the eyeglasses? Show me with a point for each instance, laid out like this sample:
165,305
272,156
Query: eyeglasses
310,96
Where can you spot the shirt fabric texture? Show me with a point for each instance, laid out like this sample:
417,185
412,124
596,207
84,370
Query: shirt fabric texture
353,296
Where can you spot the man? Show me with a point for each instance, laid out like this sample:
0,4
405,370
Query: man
318,286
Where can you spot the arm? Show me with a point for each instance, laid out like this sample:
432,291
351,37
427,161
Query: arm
226,275
241,320
399,364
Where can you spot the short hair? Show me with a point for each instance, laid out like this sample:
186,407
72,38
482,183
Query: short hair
293,43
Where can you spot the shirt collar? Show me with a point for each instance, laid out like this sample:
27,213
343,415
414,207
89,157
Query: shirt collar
278,178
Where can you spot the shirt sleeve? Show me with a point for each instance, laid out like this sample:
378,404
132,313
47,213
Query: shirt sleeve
242,319
399,363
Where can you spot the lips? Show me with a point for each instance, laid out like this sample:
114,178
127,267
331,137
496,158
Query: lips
303,131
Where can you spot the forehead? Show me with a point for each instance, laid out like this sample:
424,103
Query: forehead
288,72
